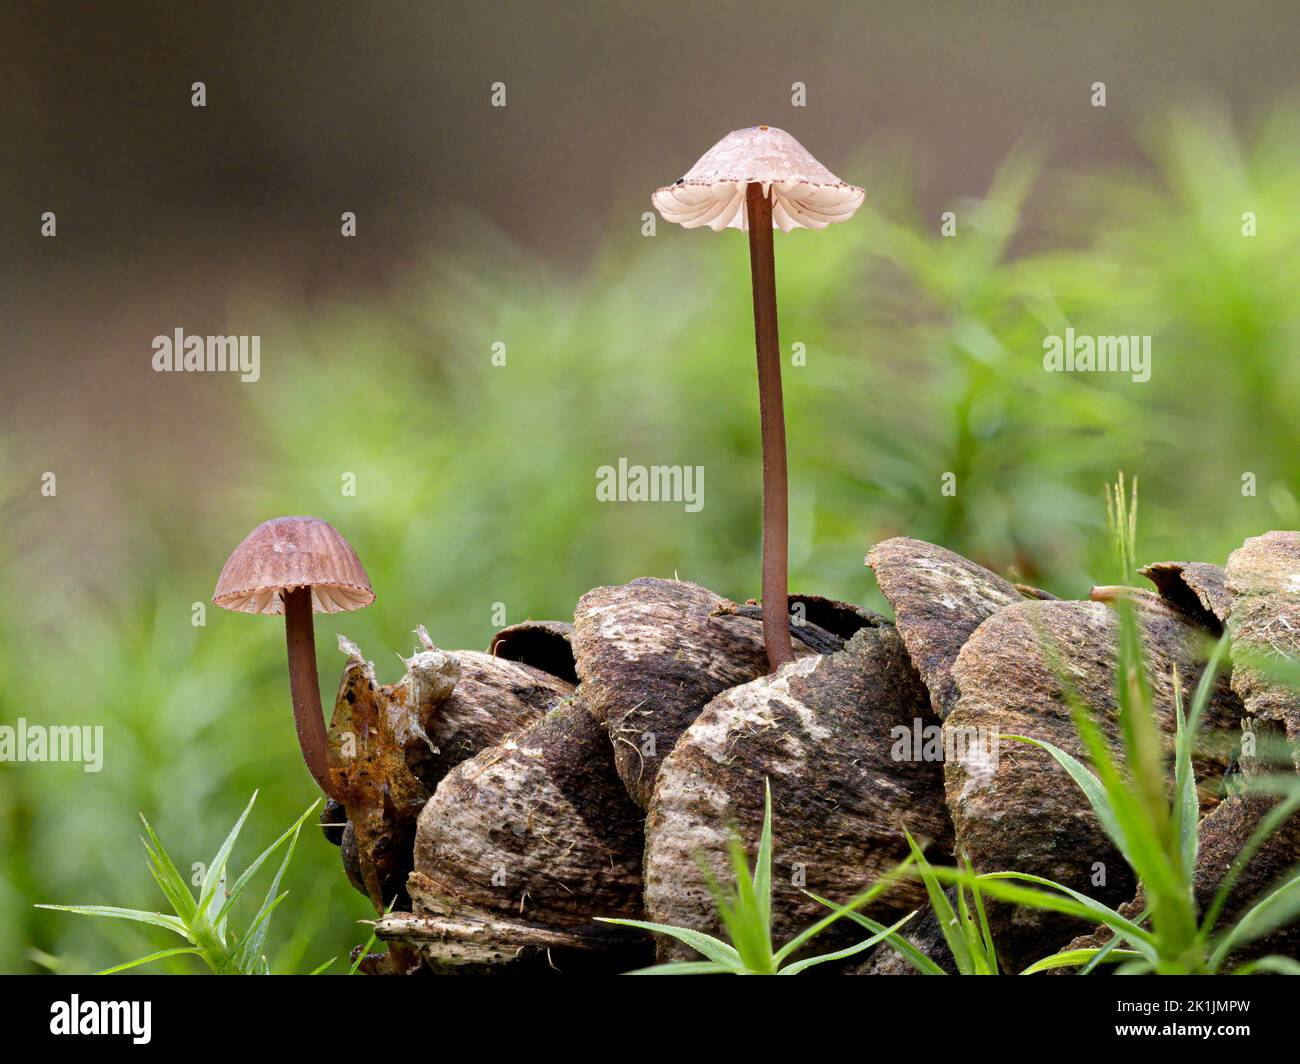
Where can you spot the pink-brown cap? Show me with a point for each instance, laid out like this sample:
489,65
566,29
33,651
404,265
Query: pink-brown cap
804,193
289,552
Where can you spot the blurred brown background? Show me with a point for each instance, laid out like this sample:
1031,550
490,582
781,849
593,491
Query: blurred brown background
316,108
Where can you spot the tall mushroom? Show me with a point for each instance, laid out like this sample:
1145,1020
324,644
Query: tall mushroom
754,179
297,566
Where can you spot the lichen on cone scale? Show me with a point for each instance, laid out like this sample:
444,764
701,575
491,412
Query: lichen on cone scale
820,731
650,654
939,598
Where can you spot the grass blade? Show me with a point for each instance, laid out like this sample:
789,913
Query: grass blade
763,865
1068,902
865,944
169,923
684,968
168,877
217,868
949,922
251,870
214,920
1070,958
1091,786
710,947
1273,963
1187,806
1102,953
255,937
1276,909
970,935
865,898
986,935
152,957
750,931
737,922
247,957
1270,823
1142,743
355,966
918,960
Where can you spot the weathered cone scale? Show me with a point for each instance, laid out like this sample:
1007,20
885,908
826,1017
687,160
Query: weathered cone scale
1197,588
391,744
1222,834
650,654
825,731
493,697
939,598
1021,812
391,870
482,945
545,645
523,844
1264,577
821,624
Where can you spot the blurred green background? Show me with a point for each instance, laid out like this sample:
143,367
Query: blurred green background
475,484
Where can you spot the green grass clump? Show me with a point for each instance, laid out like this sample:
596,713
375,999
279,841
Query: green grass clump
1157,836
203,920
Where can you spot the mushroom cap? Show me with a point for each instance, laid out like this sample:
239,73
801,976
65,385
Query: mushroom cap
290,552
804,193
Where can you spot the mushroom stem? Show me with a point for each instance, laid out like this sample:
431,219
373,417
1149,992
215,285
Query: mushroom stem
304,686
771,409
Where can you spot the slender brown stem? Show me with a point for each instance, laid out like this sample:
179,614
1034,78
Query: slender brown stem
771,412
305,687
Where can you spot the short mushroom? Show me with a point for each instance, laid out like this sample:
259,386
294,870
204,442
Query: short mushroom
297,566
755,179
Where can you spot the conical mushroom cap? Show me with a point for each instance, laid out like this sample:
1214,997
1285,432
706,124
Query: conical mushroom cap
288,552
804,193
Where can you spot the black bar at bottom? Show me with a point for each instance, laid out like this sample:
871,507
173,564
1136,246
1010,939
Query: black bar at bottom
372,1015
